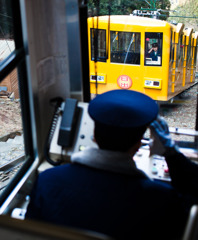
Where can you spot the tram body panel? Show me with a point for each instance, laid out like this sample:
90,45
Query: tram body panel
161,79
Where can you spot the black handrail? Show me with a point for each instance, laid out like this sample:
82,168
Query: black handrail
11,62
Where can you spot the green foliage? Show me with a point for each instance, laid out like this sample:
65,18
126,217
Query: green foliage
164,5
123,7
114,7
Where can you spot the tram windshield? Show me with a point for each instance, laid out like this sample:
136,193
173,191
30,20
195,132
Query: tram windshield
98,45
125,47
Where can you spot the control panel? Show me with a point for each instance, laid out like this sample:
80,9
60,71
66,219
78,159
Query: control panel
154,166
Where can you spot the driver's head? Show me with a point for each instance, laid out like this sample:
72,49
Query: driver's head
121,118
155,46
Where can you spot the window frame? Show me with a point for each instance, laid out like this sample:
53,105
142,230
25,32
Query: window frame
145,42
17,59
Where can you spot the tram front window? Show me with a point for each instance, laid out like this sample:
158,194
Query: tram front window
98,45
153,49
125,47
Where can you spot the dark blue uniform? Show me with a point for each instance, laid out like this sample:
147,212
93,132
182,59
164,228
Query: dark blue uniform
117,203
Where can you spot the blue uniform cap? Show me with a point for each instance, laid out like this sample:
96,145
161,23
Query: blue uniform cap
123,108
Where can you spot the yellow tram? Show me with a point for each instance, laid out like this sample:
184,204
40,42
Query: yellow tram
144,54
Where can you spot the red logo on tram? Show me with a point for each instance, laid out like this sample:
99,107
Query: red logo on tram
124,82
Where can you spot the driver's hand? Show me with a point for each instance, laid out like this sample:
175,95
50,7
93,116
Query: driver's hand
160,137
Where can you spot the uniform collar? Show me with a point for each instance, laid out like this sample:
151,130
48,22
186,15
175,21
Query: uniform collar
113,161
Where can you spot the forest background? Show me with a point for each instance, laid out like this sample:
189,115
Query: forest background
186,13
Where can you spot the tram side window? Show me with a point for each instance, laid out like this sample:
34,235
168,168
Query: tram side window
153,49
172,47
195,57
189,53
125,47
180,53
98,45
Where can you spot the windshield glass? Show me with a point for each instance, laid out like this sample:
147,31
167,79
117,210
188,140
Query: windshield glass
149,56
125,47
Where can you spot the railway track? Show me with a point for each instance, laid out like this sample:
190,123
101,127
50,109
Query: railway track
11,157
8,170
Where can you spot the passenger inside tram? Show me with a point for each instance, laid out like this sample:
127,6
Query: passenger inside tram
103,190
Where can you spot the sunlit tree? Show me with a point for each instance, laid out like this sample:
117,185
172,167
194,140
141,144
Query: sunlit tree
187,14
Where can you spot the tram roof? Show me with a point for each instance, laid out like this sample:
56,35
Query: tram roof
132,20
188,31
